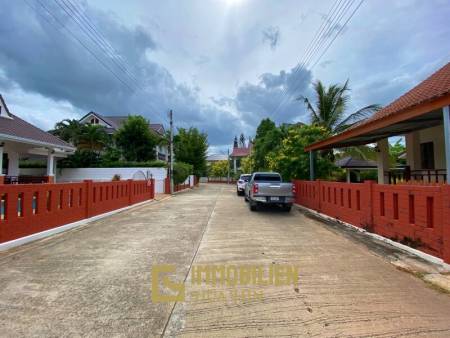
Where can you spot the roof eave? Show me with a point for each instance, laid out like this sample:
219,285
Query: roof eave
399,116
6,137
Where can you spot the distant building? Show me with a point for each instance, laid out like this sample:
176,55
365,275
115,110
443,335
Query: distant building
240,151
210,159
113,123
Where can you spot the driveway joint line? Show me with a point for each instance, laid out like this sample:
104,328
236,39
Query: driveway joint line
193,258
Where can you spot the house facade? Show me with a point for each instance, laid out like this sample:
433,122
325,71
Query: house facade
238,154
20,139
422,116
113,123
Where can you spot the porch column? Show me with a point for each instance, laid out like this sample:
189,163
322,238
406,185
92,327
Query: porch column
446,112
2,177
382,159
348,175
50,166
13,163
234,165
312,174
412,141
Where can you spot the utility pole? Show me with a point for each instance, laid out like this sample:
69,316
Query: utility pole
228,166
171,151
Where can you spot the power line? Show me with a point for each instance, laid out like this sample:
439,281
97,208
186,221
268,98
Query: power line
339,15
325,31
84,45
73,35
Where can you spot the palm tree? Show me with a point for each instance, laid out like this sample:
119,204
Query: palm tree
330,109
68,130
92,137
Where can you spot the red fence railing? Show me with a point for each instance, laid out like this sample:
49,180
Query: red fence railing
26,209
416,215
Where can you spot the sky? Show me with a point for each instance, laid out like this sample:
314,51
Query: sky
220,65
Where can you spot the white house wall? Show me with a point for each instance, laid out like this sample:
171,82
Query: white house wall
435,135
106,174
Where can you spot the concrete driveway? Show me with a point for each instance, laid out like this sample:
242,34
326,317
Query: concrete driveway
96,280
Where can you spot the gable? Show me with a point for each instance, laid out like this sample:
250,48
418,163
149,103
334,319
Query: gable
4,111
97,119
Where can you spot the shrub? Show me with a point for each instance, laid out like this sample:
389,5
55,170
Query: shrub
181,171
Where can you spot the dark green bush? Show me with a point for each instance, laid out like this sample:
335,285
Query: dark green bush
181,171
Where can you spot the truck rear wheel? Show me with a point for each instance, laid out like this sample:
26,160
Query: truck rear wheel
253,206
287,207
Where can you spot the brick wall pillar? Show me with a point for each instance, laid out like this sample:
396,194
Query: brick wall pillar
152,192
2,179
167,185
446,223
367,203
88,198
130,191
50,179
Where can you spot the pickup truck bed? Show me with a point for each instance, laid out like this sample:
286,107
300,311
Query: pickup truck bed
268,188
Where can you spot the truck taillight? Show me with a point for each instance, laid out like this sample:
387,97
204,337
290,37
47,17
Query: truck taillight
294,189
255,188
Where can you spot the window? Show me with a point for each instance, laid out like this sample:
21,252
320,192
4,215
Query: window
427,155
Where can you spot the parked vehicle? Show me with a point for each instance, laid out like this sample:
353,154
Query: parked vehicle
266,188
240,184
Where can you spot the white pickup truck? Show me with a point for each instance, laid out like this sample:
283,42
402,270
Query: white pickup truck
266,188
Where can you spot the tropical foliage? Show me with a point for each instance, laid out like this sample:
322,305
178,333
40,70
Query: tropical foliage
290,159
135,140
329,110
191,146
219,169
181,171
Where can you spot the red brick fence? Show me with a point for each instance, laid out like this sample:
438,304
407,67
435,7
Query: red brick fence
416,215
26,209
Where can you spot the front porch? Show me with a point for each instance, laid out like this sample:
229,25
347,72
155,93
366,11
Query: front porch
11,152
410,204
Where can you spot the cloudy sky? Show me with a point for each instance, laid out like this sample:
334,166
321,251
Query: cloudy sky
221,65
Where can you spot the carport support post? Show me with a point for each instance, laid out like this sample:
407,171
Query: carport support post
312,175
446,112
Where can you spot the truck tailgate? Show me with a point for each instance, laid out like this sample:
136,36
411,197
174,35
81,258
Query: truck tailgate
274,189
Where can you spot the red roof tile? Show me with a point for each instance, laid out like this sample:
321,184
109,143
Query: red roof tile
435,86
17,128
240,152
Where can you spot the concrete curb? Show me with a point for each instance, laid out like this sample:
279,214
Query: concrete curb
43,234
402,247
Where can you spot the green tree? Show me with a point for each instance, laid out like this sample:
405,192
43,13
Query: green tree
330,108
68,130
291,161
268,138
219,169
248,164
93,138
395,151
181,171
190,146
136,141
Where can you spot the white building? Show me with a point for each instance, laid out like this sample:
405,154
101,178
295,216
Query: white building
19,139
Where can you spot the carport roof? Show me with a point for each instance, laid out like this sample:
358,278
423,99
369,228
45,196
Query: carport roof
419,108
14,128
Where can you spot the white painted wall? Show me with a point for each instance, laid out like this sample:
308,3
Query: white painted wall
106,174
33,171
435,135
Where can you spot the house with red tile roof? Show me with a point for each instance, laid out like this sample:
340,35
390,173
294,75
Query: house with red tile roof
113,123
421,115
239,152
19,139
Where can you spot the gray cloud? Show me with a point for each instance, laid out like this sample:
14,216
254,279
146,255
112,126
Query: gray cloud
37,57
272,36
